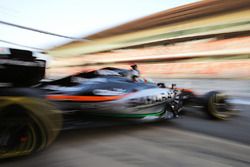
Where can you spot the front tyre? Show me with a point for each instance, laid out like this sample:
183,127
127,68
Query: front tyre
216,105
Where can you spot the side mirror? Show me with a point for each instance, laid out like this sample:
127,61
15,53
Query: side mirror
173,86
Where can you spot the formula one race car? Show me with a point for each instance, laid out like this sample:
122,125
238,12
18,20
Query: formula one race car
112,92
31,117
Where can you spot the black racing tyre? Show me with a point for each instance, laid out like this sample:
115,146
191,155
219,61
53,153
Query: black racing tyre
168,112
217,106
27,125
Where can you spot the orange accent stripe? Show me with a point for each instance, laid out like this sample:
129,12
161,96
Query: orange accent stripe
84,98
186,90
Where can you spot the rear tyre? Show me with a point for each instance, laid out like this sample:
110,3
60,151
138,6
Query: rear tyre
27,125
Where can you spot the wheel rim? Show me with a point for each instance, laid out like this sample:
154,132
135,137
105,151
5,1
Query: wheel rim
221,107
17,138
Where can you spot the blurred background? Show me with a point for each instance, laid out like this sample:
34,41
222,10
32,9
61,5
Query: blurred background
205,39
203,45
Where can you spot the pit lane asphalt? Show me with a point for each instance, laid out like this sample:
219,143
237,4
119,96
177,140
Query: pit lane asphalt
191,140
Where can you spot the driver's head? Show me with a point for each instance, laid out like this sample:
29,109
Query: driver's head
134,66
